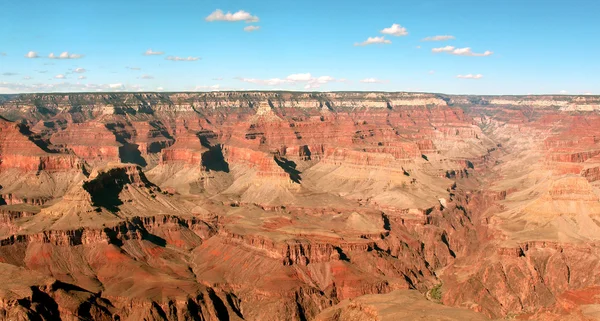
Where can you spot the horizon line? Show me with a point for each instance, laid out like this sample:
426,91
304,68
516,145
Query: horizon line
285,91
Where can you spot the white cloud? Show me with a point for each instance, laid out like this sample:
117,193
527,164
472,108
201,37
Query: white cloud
32,54
146,77
149,52
251,28
470,76
203,88
65,55
219,78
60,76
395,30
418,47
175,58
9,74
241,15
160,88
372,81
81,77
299,77
79,70
307,79
317,82
61,87
443,49
372,41
27,77
431,72
461,51
438,38
564,92
134,68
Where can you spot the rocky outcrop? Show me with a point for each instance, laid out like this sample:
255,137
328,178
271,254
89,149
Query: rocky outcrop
282,205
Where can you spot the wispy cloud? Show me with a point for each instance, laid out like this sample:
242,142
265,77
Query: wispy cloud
439,38
146,77
81,77
79,70
219,15
134,68
373,41
372,81
203,88
461,51
251,28
9,74
63,86
149,52
470,76
306,79
3,54
65,55
60,76
31,55
175,58
395,30
27,77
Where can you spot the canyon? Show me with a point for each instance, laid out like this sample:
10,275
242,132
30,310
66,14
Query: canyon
299,206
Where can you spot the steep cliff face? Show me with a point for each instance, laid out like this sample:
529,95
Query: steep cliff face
298,206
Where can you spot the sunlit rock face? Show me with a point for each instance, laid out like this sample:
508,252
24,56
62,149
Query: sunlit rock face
299,206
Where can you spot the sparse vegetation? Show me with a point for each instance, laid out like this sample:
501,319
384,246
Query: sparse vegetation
436,293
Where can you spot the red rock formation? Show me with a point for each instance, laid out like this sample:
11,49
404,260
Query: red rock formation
278,206
92,142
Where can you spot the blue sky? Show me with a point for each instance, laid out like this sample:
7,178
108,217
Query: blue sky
516,46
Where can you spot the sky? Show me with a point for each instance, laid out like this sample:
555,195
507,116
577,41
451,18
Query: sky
443,46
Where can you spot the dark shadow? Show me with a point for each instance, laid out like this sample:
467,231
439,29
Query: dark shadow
214,160
130,153
59,285
411,284
301,313
157,240
305,152
159,311
386,222
112,237
39,142
205,137
194,310
106,187
343,256
234,304
44,305
445,241
220,308
290,168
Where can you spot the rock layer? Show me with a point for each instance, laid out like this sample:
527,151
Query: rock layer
298,206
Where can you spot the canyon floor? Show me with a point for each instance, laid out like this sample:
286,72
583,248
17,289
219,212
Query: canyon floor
299,206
